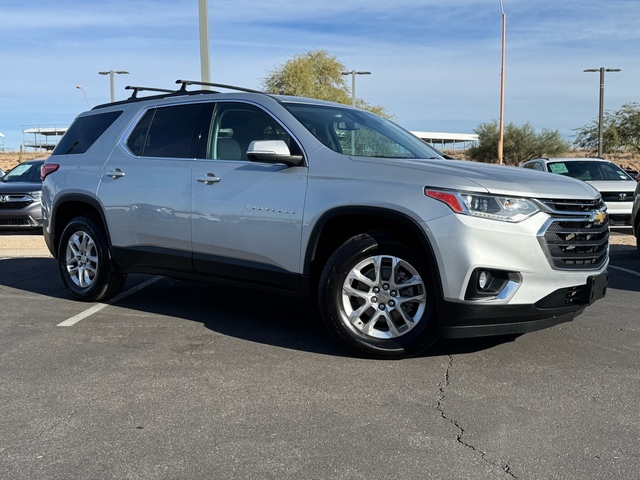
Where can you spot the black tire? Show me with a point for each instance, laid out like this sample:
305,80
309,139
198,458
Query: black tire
390,316
83,260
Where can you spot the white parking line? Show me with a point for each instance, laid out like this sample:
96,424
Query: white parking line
632,272
96,308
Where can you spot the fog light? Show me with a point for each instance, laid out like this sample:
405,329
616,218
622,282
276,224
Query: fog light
484,279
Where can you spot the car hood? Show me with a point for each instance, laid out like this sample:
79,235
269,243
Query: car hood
613,185
19,187
498,179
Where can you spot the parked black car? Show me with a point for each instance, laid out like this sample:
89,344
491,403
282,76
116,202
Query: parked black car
20,193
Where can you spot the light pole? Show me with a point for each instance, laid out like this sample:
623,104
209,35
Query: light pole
203,17
79,87
601,110
504,38
111,74
353,74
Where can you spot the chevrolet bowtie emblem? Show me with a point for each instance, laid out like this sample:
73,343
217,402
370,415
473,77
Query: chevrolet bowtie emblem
599,218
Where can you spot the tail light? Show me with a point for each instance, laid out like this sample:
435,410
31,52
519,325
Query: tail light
48,168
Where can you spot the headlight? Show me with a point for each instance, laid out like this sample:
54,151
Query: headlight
37,196
505,209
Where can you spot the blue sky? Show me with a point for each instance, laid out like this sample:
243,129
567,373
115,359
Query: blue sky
435,64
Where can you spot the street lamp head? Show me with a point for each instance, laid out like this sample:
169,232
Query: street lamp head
602,69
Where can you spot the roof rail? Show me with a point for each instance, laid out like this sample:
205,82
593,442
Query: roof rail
146,89
220,85
165,92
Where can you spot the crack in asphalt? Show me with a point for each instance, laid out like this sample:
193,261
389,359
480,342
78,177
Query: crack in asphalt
461,431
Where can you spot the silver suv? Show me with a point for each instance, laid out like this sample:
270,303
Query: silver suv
394,243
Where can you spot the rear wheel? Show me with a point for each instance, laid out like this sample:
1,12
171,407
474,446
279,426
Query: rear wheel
83,259
376,297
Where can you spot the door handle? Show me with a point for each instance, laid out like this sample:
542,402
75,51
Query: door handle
208,179
115,174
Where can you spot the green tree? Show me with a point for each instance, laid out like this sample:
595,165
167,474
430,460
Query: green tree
587,137
315,74
628,118
521,143
620,131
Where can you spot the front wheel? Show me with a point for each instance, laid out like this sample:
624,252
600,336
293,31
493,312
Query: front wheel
376,297
83,260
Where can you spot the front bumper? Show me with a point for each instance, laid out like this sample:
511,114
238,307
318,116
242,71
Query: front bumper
23,218
462,320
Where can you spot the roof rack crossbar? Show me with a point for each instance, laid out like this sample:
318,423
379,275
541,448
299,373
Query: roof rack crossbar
220,85
146,89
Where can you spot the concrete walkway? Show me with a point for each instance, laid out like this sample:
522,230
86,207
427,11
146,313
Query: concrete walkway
22,245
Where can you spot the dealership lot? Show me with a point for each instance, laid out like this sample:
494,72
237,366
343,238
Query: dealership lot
184,380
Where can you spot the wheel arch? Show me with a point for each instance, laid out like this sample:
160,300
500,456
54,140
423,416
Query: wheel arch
71,206
338,225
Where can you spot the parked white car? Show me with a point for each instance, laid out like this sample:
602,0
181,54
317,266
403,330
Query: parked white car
614,184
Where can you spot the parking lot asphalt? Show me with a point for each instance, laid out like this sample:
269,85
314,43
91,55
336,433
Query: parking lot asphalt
180,380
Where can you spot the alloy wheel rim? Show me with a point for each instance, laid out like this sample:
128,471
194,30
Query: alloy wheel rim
81,259
383,297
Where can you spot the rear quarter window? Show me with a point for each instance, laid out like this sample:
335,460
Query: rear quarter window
84,132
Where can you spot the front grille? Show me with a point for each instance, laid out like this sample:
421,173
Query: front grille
14,205
15,201
14,222
576,237
572,206
617,196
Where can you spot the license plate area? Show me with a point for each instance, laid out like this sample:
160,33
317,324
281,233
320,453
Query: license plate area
596,288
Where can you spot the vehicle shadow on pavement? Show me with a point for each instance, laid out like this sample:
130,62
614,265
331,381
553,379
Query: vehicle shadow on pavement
240,313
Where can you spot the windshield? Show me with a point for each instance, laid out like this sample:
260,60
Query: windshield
589,170
25,172
359,133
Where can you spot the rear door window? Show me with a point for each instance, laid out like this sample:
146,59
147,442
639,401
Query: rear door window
169,132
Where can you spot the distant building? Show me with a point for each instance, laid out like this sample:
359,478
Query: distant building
42,138
448,141
46,138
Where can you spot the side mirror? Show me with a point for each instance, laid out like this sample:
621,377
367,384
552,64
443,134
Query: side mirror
272,151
